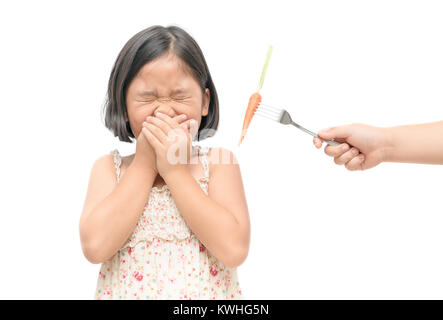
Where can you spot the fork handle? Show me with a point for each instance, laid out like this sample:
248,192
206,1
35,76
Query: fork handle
329,142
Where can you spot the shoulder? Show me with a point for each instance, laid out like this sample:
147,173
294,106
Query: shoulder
104,166
225,174
107,160
218,157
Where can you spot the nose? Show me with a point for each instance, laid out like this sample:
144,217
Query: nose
165,109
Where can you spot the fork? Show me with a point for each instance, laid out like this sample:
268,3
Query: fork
283,116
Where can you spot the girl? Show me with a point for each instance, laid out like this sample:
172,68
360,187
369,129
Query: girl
164,229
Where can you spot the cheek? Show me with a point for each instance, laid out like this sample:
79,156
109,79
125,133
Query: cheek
136,121
142,112
188,110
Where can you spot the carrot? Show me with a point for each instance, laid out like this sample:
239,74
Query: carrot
254,100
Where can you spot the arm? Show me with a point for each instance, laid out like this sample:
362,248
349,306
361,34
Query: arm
111,211
220,220
421,143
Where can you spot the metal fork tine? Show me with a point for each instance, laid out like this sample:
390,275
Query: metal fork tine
266,115
266,106
269,111
263,115
283,117
277,114
272,113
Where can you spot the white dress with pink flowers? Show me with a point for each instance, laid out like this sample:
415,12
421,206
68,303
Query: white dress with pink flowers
163,259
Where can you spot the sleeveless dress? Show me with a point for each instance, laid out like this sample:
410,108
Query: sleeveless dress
163,259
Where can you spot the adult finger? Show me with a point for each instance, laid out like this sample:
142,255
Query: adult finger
317,142
336,151
356,163
347,156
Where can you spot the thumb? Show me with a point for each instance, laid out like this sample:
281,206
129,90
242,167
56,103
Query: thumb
341,132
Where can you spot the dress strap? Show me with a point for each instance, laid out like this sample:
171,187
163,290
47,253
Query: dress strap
204,159
117,163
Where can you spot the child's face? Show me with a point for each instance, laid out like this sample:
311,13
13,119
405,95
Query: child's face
164,85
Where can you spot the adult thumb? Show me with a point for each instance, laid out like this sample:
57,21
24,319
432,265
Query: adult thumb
341,132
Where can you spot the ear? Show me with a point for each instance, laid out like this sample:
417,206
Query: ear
206,100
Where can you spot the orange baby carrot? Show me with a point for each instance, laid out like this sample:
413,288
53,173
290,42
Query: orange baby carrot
254,100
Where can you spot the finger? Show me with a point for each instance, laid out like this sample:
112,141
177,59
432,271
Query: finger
181,118
185,125
156,131
169,125
356,163
347,156
152,139
317,142
193,127
167,119
336,151
159,123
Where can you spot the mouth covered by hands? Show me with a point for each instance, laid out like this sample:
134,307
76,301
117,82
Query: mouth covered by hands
171,141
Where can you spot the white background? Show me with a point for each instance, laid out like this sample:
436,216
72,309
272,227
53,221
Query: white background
318,231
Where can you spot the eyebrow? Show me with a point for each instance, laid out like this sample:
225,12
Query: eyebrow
180,90
152,92
146,93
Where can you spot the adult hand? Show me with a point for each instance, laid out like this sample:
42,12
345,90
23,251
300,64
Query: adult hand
362,146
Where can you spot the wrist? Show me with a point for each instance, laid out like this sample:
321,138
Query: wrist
388,144
143,167
174,174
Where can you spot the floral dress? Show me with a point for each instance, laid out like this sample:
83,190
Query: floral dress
163,259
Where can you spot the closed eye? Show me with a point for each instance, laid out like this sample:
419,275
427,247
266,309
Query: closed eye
181,98
147,100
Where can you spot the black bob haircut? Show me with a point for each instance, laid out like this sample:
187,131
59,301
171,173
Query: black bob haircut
142,48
